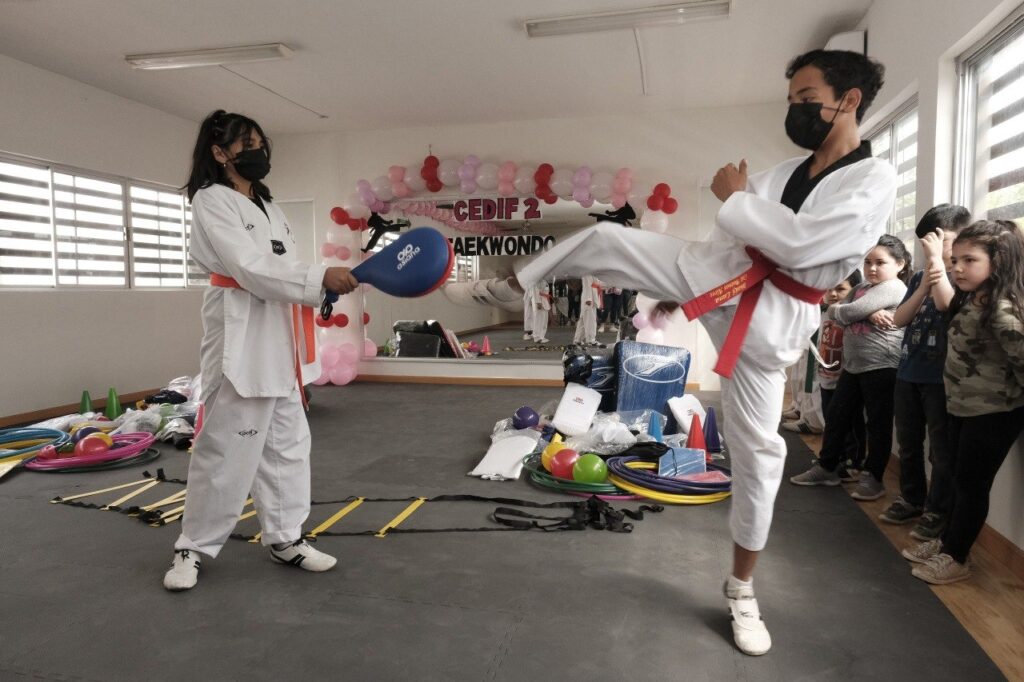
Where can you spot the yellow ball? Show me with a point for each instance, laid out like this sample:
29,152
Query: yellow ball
101,436
553,447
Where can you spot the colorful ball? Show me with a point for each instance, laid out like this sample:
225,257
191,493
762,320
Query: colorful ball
525,417
90,446
99,435
80,433
562,463
47,452
590,468
550,451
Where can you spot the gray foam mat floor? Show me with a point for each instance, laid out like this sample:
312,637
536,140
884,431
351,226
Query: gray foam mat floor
81,595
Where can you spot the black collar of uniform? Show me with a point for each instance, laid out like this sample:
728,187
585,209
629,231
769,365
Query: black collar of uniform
800,185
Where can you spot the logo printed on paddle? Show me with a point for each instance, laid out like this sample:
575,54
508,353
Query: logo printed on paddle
407,254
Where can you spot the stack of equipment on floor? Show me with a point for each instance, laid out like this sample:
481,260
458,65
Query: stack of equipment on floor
648,376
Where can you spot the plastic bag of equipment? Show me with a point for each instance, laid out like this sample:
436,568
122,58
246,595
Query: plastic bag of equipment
177,431
136,421
608,435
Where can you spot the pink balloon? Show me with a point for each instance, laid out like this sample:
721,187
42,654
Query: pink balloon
396,174
369,349
343,253
641,321
400,190
580,194
348,354
582,176
622,185
506,188
618,201
322,379
385,208
327,250
467,172
377,206
624,173
468,186
329,356
659,321
507,171
588,202
472,160
363,184
342,375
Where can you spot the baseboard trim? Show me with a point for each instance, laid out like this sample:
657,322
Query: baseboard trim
49,413
489,328
455,381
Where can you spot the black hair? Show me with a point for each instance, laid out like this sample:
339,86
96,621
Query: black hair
855,278
948,217
1003,241
844,70
898,250
222,129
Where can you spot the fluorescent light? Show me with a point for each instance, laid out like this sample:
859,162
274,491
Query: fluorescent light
215,57
660,15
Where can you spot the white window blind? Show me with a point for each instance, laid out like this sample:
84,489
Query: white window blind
196,276
158,237
992,129
26,229
895,141
89,222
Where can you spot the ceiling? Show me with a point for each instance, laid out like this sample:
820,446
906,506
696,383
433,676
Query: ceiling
403,63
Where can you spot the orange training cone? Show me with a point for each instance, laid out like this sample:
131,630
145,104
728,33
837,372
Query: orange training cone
486,350
695,439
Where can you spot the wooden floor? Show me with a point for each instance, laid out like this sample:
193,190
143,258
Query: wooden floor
990,605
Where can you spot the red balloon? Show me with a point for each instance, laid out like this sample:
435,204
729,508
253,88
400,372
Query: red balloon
546,169
364,225
670,205
541,190
655,202
434,185
366,318
432,162
561,463
428,173
321,322
662,190
339,215
353,224
340,320
550,198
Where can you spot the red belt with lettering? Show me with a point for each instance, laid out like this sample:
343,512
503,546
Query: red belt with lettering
303,328
748,286
600,295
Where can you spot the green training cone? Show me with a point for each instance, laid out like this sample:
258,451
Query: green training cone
86,404
113,405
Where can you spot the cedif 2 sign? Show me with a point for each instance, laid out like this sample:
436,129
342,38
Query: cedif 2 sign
503,208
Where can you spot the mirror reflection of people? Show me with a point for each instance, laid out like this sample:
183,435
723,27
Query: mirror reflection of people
379,227
590,301
255,439
808,222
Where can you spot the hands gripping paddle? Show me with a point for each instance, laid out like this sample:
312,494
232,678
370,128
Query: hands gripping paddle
415,264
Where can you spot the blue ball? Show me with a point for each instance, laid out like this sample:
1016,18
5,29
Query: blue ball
525,417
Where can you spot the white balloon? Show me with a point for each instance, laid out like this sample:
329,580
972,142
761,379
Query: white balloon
382,188
355,207
601,186
525,185
487,176
415,182
525,171
654,221
638,195
448,172
562,186
651,335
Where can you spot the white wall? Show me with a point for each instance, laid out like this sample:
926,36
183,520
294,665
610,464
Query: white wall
53,344
918,41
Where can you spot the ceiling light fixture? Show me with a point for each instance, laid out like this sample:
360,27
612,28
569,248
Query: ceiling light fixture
215,57
659,15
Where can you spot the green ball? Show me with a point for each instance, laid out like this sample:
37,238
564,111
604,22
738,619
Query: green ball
589,468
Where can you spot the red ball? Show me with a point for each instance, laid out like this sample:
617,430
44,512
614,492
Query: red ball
670,205
662,190
562,463
90,446
431,161
339,215
340,320
366,318
655,202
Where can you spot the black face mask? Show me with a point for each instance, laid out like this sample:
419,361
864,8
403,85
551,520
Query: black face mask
804,124
252,164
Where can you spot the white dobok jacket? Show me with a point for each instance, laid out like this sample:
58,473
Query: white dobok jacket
838,223
248,333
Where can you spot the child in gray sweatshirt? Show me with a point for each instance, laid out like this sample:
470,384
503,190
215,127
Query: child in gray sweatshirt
871,354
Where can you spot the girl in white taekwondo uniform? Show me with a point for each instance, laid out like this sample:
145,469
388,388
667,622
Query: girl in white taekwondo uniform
590,301
783,237
257,345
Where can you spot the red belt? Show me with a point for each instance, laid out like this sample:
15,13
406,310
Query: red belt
600,295
303,328
748,285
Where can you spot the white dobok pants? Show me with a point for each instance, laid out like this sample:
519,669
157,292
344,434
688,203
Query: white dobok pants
247,445
586,326
540,323
751,400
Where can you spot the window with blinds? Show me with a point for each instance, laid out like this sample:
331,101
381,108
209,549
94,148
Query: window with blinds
66,228
464,270
26,227
895,141
158,237
991,162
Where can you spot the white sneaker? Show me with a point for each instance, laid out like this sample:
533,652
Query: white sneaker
600,330
301,554
527,336
748,628
542,341
184,571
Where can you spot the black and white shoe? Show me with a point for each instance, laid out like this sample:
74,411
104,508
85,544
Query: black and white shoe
302,555
184,571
